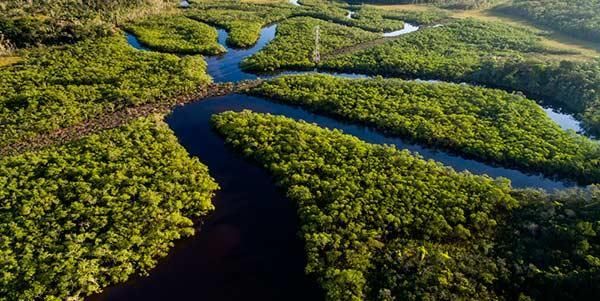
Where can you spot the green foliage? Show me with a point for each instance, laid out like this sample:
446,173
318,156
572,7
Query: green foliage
82,216
373,19
383,224
449,4
57,87
488,124
242,21
446,52
177,34
294,44
580,18
591,118
554,243
573,86
29,31
378,221
431,16
30,23
488,53
365,17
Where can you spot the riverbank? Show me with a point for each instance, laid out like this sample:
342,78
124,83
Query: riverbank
110,120
249,247
551,38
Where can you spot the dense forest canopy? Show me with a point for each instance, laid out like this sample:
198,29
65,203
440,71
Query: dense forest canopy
450,4
378,223
383,224
176,34
363,16
54,88
580,18
293,47
484,123
243,21
79,217
486,53
28,23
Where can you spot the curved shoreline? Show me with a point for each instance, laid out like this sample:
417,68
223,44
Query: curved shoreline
248,248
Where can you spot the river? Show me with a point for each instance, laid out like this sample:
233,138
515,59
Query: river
248,249
226,67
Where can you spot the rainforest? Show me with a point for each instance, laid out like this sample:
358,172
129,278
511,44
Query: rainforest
331,150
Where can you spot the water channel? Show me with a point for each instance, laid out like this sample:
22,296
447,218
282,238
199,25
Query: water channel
248,249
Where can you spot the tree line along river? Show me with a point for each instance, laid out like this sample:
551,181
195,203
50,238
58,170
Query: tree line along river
248,248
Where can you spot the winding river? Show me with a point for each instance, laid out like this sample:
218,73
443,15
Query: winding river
248,249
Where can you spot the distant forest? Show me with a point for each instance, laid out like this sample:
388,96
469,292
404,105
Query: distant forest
580,18
457,4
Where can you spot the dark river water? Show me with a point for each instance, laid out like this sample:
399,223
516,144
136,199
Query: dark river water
248,249
226,67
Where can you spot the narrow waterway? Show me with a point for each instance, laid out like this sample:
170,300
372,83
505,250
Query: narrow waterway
134,42
236,102
248,249
226,67
566,121
408,28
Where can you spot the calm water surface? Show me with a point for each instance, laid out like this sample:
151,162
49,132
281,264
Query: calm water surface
226,68
204,109
134,42
248,249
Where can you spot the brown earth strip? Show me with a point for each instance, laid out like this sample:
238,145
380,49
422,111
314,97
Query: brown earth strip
356,47
117,118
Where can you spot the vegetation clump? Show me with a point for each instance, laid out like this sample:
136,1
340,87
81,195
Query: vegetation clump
429,16
360,202
243,21
52,88
448,4
553,243
384,224
177,34
493,54
79,217
293,46
488,124
29,23
580,18
361,16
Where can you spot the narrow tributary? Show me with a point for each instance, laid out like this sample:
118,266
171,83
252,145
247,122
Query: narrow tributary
248,249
